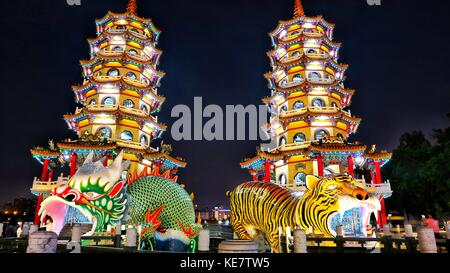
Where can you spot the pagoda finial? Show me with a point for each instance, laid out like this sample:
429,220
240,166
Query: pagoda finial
298,10
132,6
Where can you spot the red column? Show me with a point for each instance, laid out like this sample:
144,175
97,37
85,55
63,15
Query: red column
378,180
254,175
44,173
320,164
105,163
267,171
38,206
351,170
73,164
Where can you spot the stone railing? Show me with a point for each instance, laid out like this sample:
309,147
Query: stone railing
383,189
291,59
135,82
321,55
47,186
315,109
134,111
290,37
106,78
102,107
141,58
313,33
321,80
138,34
292,84
108,53
116,31
292,146
294,112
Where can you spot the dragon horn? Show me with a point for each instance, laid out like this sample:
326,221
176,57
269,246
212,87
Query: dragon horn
175,179
155,171
166,174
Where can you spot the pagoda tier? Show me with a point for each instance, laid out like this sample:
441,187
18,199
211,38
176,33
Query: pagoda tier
117,98
309,118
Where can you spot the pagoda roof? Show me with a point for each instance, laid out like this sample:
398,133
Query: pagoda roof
301,20
114,16
44,153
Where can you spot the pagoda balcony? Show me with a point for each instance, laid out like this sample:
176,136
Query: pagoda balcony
321,110
294,112
134,111
133,145
107,78
111,53
139,35
290,37
291,59
47,186
116,31
313,33
135,82
321,55
292,84
102,107
321,80
141,58
292,146
380,190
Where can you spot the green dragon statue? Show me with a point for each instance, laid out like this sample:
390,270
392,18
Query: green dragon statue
153,201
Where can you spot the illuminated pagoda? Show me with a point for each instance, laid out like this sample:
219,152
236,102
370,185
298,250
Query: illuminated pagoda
309,116
118,100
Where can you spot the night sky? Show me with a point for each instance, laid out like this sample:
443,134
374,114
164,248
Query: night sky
397,52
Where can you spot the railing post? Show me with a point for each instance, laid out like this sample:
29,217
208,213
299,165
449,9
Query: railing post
409,239
300,243
427,242
339,240
131,238
118,235
203,240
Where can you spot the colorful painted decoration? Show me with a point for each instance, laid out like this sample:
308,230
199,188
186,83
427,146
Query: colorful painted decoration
153,201
261,208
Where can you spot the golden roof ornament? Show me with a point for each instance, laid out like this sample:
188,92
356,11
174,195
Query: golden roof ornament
298,10
132,7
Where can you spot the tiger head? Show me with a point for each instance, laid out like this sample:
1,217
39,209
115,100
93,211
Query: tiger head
330,198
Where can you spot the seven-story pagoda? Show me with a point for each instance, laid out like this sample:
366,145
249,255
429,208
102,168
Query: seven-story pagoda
309,117
118,100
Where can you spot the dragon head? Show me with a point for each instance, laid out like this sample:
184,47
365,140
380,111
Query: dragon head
95,191
331,198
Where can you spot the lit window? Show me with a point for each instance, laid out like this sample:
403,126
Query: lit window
128,103
132,52
109,101
105,132
126,135
320,134
131,75
282,141
294,33
299,105
117,48
113,72
296,54
121,27
300,137
318,102
297,78
144,108
340,136
333,104
282,179
92,102
300,179
283,108
144,140
144,80
314,75
311,51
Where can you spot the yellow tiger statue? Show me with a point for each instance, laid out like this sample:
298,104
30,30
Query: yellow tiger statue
261,208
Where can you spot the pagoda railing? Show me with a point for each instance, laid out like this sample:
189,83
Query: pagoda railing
292,146
383,189
135,82
107,78
290,37
102,107
313,33
321,80
321,55
131,144
134,111
138,57
291,59
116,31
47,186
109,53
294,112
292,84
139,35
315,109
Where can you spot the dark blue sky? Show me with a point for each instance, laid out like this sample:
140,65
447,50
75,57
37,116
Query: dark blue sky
397,52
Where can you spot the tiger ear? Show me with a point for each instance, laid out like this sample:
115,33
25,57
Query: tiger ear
311,181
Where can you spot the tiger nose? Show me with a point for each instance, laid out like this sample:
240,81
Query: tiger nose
360,194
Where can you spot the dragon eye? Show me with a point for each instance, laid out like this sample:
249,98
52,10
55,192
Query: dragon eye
92,195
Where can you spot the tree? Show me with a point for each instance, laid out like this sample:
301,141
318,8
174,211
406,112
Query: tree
420,174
